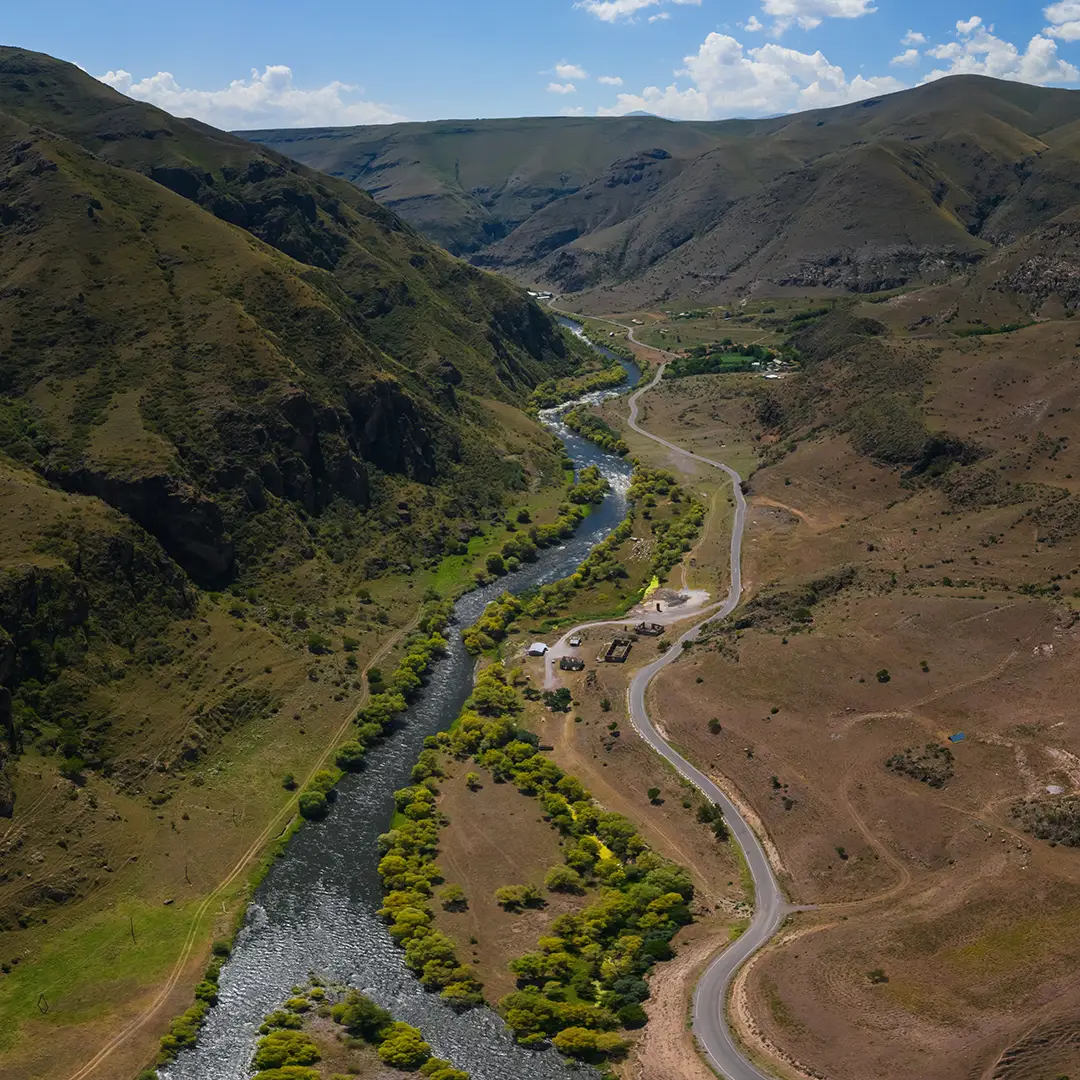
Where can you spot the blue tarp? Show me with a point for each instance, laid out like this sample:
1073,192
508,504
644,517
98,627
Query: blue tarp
958,737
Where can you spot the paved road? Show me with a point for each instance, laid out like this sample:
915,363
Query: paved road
710,997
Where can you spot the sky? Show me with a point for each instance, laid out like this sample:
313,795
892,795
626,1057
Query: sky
271,63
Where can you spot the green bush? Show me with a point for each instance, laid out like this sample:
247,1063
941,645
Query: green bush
350,757
285,1047
313,806
403,1047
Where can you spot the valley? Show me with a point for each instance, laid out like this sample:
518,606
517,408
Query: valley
393,682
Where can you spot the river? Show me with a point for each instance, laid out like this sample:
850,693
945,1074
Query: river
317,909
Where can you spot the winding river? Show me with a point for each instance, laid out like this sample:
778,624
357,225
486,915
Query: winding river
317,909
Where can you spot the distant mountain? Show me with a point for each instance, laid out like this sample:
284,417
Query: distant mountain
910,187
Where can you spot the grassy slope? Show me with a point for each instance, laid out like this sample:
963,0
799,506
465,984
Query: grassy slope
217,369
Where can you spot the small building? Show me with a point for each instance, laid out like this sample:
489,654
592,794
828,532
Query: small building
574,642
538,648
653,629
571,663
615,651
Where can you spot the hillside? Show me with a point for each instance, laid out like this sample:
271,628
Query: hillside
911,187
243,409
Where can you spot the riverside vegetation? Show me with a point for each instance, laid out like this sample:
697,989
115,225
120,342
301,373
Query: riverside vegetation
287,1051
587,978
673,538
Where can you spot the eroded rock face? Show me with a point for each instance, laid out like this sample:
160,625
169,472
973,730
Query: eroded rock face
187,524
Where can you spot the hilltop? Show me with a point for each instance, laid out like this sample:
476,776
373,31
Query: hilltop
912,187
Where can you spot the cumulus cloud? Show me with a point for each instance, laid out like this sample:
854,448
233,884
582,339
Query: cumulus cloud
615,10
662,16
913,37
1064,20
753,25
270,99
977,51
729,80
610,80
565,70
561,88
810,13
908,58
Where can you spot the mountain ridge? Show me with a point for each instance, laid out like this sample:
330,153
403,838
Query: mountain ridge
929,179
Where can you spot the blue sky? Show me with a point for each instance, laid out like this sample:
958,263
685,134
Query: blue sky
240,63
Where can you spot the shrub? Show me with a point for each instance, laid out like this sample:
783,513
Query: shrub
563,879
285,1048
350,757
715,726
318,643
361,1017
883,675
633,1016
288,782
313,806
403,1047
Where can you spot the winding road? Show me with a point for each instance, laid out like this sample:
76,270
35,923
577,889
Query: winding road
710,997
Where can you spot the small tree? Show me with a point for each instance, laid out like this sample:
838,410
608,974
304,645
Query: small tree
495,564
883,675
605,704
563,879
715,726
453,898
350,757
654,794
313,806
472,781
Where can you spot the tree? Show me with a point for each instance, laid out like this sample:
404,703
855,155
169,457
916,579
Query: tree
453,898
715,726
350,757
495,564
288,782
318,643
516,897
605,704
563,879
403,1047
472,781
362,1018
524,517
285,1048
654,794
313,805
883,675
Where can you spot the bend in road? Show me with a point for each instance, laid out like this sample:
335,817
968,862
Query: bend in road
709,1022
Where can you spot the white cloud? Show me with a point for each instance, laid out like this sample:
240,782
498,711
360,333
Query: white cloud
753,25
561,88
730,80
908,58
575,110
979,52
1064,19
609,80
614,10
663,16
271,99
810,13
913,37
565,70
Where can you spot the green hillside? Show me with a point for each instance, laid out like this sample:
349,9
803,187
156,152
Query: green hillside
222,371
